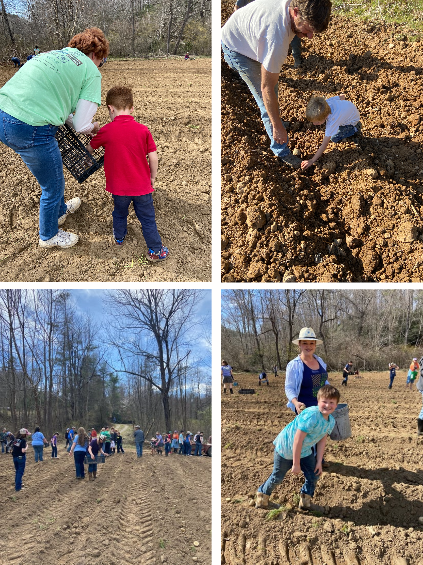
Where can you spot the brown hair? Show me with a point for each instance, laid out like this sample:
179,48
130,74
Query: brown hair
91,40
315,12
82,436
317,109
328,391
120,97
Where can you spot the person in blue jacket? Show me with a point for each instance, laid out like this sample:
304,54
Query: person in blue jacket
38,443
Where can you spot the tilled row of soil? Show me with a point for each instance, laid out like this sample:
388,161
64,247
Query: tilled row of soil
372,491
137,512
357,214
173,99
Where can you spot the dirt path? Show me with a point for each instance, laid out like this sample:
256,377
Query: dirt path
373,488
355,216
137,512
172,98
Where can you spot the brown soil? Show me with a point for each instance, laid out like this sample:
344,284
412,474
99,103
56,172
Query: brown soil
355,216
172,98
138,511
372,491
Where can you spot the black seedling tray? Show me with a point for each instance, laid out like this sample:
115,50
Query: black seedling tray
75,157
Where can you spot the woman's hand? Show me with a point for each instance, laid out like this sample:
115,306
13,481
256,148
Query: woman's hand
299,407
95,129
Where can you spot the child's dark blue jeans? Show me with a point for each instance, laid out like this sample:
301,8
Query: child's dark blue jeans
345,131
280,468
144,210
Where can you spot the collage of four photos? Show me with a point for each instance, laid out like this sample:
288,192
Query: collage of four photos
132,135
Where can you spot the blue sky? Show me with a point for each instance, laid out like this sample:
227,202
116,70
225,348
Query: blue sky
91,301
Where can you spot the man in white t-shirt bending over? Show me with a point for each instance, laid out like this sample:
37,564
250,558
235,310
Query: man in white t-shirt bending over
255,42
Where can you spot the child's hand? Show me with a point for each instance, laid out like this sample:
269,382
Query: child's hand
152,182
306,164
318,470
296,469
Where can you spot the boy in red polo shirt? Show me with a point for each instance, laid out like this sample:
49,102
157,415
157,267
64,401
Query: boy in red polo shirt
129,176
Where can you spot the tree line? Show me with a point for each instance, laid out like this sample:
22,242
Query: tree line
134,28
59,366
369,327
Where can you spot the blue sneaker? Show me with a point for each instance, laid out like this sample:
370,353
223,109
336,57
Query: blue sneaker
159,256
119,241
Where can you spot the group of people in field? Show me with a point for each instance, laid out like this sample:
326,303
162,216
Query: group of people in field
181,443
301,444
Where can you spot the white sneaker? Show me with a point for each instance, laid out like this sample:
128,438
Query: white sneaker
72,206
62,239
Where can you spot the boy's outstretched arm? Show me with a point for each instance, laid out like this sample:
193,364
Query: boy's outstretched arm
296,451
320,451
153,162
319,153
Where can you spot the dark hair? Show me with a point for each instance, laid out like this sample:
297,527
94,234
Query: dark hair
315,12
328,391
37,429
120,97
91,40
20,436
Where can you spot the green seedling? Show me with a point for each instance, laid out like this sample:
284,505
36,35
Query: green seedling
345,529
360,439
162,544
296,499
274,514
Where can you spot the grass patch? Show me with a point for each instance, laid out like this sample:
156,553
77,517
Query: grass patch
360,439
296,499
228,446
408,12
274,514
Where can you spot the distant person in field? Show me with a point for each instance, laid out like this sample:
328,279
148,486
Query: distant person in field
139,440
275,370
79,449
94,448
53,443
346,373
295,43
19,450
119,440
130,177
181,442
342,122
38,443
263,379
420,389
175,441
392,373
3,440
412,373
186,56
198,440
35,102
227,376
293,449
255,43
16,62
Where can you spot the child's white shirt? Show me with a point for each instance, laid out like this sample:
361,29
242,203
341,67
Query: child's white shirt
343,113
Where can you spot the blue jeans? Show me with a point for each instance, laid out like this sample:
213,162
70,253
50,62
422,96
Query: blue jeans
54,450
187,448
139,445
3,447
92,467
40,152
181,449
250,72
79,457
345,131
144,210
198,447
38,452
280,468
19,463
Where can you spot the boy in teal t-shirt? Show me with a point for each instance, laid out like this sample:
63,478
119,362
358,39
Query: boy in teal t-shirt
293,448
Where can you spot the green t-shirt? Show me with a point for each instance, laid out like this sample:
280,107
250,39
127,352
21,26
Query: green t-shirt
47,88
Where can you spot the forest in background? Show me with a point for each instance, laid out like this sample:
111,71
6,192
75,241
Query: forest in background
146,365
134,28
369,327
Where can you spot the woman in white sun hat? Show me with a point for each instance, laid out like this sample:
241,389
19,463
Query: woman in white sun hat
305,374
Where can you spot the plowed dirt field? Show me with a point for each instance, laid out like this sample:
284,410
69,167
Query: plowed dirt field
173,99
355,216
372,491
144,511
